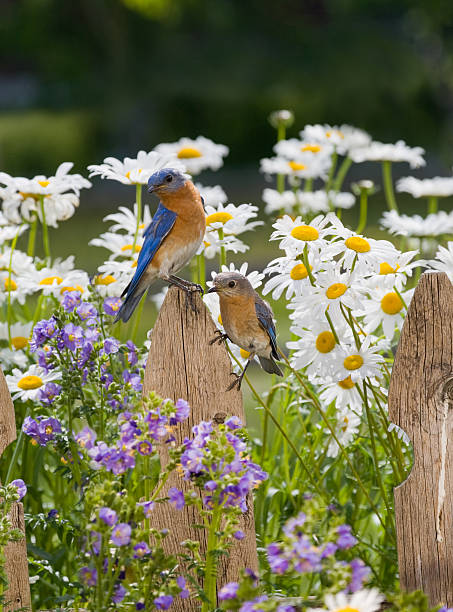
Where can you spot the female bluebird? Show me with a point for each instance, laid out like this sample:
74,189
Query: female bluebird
248,321
171,239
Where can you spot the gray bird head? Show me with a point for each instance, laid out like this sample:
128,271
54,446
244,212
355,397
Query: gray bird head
166,180
231,284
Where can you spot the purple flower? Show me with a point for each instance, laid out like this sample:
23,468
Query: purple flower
86,438
89,575
144,447
163,602
141,549
211,485
49,392
42,430
119,593
233,422
20,486
239,535
345,538
329,549
228,591
249,606
148,507
285,608
134,379
108,515
359,573
181,582
182,410
176,497
43,331
121,534
131,356
70,300
277,561
96,541
85,310
53,514
112,305
140,605
111,345
118,461
72,336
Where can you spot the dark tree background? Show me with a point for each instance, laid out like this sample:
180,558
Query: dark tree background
81,79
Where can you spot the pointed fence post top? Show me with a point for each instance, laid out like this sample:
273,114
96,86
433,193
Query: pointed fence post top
421,403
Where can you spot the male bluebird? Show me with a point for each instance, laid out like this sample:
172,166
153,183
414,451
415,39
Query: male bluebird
171,239
248,321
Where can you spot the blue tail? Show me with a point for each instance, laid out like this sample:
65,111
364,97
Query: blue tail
129,305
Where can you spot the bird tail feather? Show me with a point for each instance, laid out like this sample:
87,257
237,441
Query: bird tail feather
129,305
270,366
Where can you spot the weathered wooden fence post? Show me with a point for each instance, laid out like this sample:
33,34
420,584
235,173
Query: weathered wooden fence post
421,403
18,593
182,363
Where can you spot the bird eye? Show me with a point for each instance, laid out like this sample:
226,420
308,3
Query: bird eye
169,178
231,284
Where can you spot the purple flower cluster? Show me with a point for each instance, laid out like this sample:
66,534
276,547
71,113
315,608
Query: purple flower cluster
137,432
229,591
20,486
42,430
224,455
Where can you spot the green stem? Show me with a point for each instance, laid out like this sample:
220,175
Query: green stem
201,270
222,254
335,335
307,265
32,237
210,574
17,448
308,184
341,174
432,205
45,231
363,211
138,197
388,185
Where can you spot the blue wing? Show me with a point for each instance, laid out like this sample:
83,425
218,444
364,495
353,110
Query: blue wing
265,317
154,235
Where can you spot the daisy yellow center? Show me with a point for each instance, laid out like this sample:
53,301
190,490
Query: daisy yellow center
391,303
108,279
347,609
305,232
386,268
359,245
219,319
218,217
330,133
49,280
128,173
76,288
43,183
325,342
335,291
244,354
189,153
312,148
296,166
19,342
128,247
346,383
10,284
30,382
134,264
353,362
299,272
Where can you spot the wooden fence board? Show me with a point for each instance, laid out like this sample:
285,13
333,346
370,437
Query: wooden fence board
421,403
182,364
18,593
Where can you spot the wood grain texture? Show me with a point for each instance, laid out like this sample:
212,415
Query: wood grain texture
421,403
182,364
18,592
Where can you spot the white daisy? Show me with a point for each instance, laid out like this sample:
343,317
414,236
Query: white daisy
196,154
313,167
366,254
444,260
320,201
363,362
26,385
277,202
290,274
435,224
211,245
348,423
365,600
402,435
398,152
58,278
212,196
126,220
137,170
439,186
343,138
120,245
397,275
233,220
342,393
20,334
385,307
295,234
10,358
300,150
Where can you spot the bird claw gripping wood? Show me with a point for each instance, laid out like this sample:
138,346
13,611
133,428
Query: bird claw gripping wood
219,337
236,382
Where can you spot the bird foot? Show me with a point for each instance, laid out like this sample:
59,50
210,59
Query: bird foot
236,382
190,301
219,337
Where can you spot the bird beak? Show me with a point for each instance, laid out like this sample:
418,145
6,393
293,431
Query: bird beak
213,289
152,188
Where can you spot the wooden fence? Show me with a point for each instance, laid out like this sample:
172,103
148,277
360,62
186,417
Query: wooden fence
182,363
